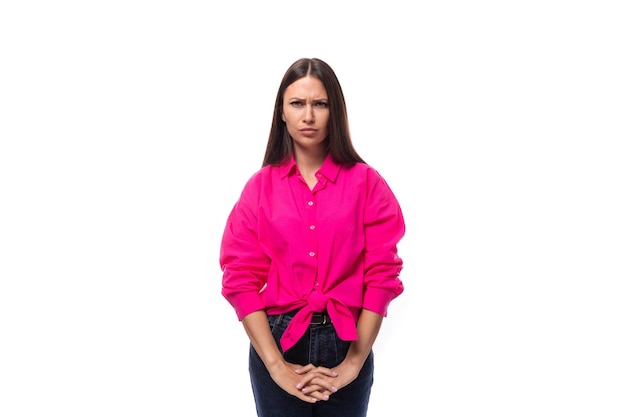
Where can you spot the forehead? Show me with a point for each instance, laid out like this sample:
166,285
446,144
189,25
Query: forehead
306,87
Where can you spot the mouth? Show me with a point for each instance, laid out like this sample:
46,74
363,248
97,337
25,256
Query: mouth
308,131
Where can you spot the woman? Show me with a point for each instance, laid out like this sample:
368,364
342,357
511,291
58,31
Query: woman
309,256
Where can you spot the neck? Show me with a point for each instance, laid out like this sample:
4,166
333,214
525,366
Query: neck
309,162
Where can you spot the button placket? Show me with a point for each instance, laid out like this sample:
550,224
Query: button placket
311,243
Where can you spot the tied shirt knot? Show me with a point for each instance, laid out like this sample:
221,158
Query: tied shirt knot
316,301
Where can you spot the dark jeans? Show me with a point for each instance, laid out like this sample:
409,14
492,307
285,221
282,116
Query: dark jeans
321,347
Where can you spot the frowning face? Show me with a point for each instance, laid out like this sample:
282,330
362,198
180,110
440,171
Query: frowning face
306,114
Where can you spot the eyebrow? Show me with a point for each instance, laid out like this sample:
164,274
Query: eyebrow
303,99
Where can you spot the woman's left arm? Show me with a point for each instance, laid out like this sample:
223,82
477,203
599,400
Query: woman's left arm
384,227
368,327
318,379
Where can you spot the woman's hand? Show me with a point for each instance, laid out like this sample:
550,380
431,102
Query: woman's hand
316,381
321,383
288,376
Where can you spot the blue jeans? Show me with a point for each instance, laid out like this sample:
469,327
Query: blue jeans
320,346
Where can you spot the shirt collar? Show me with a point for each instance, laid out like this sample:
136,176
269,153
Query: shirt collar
329,169
287,168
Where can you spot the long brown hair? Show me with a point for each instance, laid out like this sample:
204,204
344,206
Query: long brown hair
280,145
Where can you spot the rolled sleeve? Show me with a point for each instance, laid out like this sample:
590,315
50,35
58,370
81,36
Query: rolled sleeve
244,264
384,227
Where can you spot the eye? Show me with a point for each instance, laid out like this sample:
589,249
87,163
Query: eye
321,104
296,103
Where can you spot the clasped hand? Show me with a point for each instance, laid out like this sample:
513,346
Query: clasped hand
313,383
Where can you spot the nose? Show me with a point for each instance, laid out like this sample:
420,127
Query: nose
309,115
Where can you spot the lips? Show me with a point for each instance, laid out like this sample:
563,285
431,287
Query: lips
308,132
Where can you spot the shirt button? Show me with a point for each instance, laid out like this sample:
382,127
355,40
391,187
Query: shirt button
312,227
317,283
310,203
311,253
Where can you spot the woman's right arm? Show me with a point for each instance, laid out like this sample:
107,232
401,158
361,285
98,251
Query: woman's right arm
281,371
245,268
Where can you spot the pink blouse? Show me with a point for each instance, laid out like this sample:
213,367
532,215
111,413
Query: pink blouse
333,248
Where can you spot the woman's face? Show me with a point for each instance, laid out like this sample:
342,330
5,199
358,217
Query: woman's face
306,114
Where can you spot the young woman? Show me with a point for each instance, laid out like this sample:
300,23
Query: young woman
309,256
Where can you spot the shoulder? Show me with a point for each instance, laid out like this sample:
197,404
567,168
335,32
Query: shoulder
366,172
375,184
263,177
264,172
360,169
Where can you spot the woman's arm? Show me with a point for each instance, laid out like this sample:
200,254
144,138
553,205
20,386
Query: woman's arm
318,379
368,327
281,371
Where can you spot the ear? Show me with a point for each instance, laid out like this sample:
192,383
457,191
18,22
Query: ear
282,116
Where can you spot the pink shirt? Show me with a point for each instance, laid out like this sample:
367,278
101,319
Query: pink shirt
334,248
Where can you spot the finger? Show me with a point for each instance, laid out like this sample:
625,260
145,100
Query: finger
304,369
310,389
319,384
326,371
308,398
325,374
306,380
318,392
304,397
319,395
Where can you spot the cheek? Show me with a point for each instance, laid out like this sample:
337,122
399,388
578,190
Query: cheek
289,124
288,116
326,122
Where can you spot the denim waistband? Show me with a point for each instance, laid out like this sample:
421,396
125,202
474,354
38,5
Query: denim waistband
318,318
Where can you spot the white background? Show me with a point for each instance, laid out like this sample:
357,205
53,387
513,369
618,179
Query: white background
129,127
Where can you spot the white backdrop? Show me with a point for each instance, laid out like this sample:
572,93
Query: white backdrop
129,127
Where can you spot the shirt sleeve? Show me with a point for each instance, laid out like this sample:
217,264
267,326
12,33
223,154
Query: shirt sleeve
384,227
244,264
